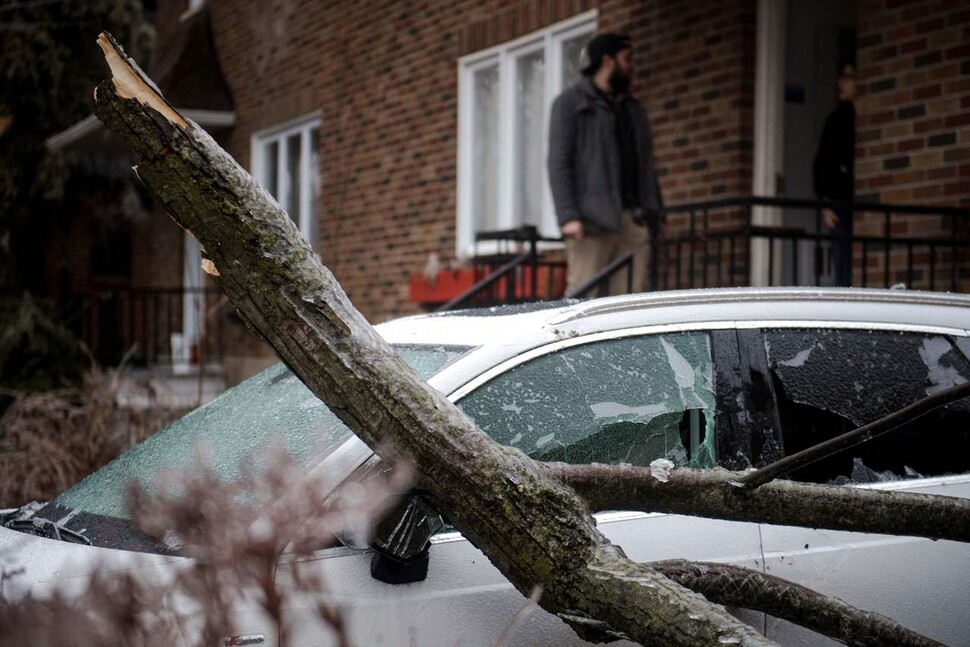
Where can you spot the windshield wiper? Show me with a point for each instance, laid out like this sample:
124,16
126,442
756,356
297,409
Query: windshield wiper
25,521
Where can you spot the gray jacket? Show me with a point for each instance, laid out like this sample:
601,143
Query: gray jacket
584,160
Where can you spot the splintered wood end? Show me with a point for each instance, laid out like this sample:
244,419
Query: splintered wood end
131,83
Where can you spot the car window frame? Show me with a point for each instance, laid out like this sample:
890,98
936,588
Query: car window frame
581,340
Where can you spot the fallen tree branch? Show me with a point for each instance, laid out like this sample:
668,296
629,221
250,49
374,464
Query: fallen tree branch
710,493
743,587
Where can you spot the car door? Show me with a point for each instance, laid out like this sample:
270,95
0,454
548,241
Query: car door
827,380
624,397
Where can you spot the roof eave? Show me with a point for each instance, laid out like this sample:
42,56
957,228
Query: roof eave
208,119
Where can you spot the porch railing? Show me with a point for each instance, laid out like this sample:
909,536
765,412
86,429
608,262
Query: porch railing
516,273
149,325
920,246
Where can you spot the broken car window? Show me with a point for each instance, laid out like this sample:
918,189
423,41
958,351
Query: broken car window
831,381
629,400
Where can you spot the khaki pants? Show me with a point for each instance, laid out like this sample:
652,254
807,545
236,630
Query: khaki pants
587,257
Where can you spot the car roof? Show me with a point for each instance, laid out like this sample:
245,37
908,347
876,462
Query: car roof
504,334
503,325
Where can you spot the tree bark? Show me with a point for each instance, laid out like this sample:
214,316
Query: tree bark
533,527
743,587
712,493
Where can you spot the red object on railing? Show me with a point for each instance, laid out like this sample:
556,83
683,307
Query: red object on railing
450,283
445,286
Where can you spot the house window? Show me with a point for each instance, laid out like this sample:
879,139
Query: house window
505,95
286,162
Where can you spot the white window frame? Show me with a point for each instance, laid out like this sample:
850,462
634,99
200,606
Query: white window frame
547,40
309,177
193,8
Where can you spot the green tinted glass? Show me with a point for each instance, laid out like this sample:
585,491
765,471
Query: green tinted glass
629,400
273,406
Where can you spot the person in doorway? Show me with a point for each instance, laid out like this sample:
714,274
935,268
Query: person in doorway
833,174
601,169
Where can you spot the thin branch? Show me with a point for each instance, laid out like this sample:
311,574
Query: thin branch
829,616
709,493
530,605
855,437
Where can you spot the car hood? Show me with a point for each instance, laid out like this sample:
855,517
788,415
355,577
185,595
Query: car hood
36,565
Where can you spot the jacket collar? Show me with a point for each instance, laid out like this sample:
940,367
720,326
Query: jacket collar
594,95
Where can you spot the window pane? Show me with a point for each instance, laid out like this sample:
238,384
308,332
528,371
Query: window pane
293,150
268,174
484,178
530,131
571,51
627,400
235,429
315,182
828,382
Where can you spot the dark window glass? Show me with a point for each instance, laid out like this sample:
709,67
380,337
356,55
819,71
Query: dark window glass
831,381
111,250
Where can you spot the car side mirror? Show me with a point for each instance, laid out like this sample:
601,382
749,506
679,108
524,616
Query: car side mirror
402,540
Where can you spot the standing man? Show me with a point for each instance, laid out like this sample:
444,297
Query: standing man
601,168
833,173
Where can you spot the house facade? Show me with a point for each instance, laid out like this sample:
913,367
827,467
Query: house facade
392,132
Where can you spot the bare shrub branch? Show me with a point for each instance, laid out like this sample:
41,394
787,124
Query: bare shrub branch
236,535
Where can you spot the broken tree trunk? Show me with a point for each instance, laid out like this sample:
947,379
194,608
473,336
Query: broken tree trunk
533,526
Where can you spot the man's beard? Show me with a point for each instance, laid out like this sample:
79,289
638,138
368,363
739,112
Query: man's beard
619,81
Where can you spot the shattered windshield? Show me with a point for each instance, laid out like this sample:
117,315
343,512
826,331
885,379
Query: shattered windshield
272,406
629,400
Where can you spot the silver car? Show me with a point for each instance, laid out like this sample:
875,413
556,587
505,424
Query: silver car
734,378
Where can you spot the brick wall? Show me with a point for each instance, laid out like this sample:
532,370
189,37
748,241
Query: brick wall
696,62
384,77
913,123
697,58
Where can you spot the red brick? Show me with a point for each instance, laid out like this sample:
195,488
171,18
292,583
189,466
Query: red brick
926,192
957,188
941,173
928,91
957,120
915,45
959,18
911,144
882,117
958,52
927,125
